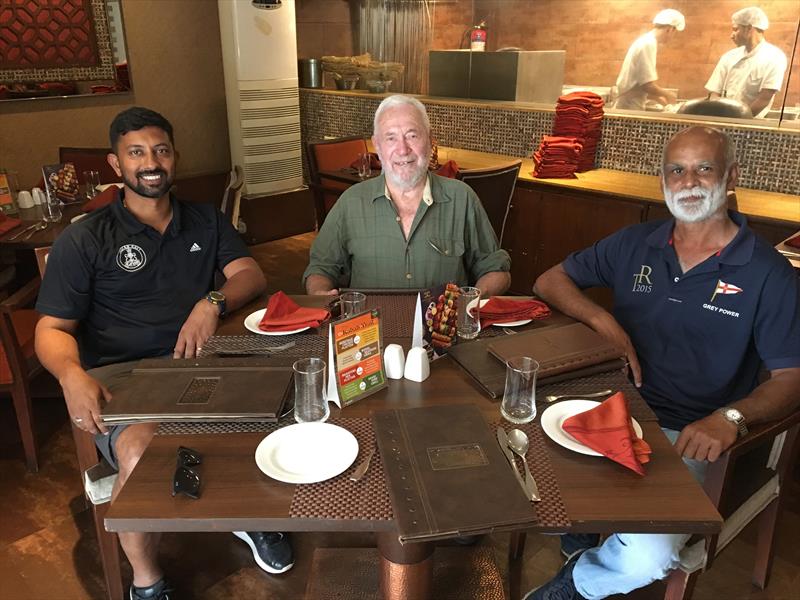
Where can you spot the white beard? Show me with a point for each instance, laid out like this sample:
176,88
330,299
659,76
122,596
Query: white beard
403,184
700,210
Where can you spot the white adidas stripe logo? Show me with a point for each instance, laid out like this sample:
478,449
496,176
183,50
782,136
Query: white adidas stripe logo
195,248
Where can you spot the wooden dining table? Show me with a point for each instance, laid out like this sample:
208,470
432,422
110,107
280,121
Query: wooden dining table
594,495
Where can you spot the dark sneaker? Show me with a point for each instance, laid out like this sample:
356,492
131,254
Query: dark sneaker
160,590
560,587
272,550
572,543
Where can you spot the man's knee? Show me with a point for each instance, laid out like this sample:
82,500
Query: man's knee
653,556
131,444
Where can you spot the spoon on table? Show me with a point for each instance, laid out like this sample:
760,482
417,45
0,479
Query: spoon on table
549,399
518,442
39,227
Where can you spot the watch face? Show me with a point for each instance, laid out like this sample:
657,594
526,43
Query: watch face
733,415
216,296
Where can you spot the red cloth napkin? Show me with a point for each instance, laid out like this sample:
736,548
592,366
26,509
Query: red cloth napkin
284,314
374,162
7,223
448,169
608,430
793,242
102,199
503,310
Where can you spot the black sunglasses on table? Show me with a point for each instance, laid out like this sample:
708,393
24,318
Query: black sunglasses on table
187,480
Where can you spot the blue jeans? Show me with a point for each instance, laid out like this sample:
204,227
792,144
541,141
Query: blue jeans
628,561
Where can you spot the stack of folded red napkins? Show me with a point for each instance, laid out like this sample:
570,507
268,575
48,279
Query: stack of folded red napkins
284,314
576,134
7,223
503,310
607,429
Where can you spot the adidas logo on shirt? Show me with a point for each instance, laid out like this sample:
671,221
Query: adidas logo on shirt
195,248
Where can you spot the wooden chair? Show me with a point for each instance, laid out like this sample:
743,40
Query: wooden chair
90,466
232,197
746,483
329,155
495,188
89,159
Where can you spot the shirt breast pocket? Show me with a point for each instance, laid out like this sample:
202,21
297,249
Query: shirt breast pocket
447,248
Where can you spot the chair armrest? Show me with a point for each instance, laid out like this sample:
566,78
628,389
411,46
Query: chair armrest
763,431
22,298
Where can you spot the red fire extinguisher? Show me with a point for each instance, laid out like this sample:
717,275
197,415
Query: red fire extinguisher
477,37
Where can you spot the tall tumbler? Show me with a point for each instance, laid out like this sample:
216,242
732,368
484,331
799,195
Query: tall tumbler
51,207
519,397
468,319
310,404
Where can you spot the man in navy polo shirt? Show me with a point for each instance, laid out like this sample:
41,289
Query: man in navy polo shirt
134,280
700,303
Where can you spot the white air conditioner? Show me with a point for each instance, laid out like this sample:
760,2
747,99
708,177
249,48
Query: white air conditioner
259,54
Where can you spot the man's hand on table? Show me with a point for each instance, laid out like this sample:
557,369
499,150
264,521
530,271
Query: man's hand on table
199,326
607,326
707,438
85,398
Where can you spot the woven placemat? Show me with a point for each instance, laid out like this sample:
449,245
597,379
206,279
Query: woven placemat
611,380
551,510
340,498
397,313
201,428
305,344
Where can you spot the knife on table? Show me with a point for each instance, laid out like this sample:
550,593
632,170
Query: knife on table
502,439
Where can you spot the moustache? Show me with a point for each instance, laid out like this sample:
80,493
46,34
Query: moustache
694,192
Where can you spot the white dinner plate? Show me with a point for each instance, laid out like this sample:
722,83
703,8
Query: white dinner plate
554,416
252,320
507,323
306,452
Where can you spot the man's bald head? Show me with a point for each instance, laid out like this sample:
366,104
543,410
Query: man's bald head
711,138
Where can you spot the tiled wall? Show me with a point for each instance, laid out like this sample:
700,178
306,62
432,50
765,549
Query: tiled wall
768,159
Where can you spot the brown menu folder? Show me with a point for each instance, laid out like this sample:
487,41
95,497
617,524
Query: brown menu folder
447,475
202,389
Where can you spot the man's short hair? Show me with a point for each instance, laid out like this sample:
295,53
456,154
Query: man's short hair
401,100
728,145
134,119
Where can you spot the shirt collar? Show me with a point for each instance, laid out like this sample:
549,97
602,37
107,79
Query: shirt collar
427,195
739,250
132,225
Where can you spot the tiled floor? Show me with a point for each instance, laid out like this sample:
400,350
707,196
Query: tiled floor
48,550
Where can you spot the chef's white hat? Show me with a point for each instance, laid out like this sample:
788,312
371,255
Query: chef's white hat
752,16
670,16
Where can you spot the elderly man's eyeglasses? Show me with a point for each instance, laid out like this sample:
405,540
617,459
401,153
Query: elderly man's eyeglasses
186,479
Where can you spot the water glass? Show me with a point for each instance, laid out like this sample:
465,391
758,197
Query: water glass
364,165
92,180
310,404
51,207
519,397
468,309
352,303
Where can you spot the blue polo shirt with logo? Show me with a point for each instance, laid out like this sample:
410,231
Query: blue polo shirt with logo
130,288
701,335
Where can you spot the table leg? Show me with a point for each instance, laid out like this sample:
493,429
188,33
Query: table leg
406,569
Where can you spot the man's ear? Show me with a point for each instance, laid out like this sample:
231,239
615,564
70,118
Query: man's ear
113,160
733,177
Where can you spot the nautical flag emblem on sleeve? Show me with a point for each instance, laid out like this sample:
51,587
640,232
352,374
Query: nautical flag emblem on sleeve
725,288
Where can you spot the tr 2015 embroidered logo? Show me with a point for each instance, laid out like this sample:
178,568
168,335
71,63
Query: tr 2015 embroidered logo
641,280
131,257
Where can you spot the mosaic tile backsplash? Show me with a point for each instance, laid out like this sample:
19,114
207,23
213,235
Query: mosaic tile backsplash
769,160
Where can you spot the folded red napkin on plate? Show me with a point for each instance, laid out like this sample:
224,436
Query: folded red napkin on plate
793,242
503,310
284,314
607,429
102,199
7,223
374,162
448,169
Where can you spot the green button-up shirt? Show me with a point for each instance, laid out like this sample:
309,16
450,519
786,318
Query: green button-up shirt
361,243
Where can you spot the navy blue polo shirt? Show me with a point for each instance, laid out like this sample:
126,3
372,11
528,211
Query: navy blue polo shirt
701,335
130,288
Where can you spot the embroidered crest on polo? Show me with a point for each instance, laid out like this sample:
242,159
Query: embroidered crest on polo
195,247
131,257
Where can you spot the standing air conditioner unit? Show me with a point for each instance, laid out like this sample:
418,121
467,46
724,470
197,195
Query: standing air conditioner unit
259,54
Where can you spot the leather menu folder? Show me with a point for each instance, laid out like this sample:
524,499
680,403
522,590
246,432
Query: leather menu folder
446,474
200,390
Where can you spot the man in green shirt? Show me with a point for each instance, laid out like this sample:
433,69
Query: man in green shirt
407,228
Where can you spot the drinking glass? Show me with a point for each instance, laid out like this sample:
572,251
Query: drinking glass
519,397
468,307
310,404
51,207
364,165
92,180
352,303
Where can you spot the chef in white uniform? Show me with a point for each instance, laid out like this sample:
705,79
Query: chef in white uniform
638,78
753,71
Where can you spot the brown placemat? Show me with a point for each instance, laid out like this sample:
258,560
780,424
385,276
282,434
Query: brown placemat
551,510
397,312
611,380
340,498
305,344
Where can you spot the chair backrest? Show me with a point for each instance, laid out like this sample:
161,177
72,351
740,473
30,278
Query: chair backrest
495,188
330,155
41,258
89,159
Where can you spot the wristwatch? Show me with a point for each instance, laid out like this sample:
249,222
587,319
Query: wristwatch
736,417
217,299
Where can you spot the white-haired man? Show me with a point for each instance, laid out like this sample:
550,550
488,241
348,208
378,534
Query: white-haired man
700,303
753,71
638,77
407,228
